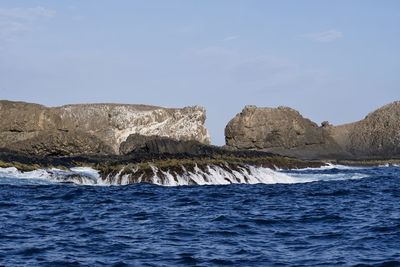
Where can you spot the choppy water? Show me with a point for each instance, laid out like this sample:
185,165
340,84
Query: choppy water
329,216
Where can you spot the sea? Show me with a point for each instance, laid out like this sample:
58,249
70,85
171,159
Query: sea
329,216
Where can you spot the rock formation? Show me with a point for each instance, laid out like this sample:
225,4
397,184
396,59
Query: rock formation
376,136
93,128
280,130
61,143
113,129
159,145
284,131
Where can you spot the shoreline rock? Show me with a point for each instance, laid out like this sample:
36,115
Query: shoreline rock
284,131
167,167
133,138
376,136
62,129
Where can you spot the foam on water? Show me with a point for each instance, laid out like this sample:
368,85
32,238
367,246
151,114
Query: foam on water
314,177
389,165
217,175
212,175
78,175
330,166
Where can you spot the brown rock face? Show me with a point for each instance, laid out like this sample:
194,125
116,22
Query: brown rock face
62,143
92,128
283,130
25,117
280,130
376,136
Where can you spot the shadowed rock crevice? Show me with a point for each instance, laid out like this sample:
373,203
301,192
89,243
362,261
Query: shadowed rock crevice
137,143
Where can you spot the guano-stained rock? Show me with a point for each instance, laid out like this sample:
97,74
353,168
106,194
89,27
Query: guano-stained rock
64,128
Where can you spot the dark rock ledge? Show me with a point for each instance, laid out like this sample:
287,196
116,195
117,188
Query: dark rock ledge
141,161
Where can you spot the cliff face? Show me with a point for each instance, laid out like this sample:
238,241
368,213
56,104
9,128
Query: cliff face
283,130
100,128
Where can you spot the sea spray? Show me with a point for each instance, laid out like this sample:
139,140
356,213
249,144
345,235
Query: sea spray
198,175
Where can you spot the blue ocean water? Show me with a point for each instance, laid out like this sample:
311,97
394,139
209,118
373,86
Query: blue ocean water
341,216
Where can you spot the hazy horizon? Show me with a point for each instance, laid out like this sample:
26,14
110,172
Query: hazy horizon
334,61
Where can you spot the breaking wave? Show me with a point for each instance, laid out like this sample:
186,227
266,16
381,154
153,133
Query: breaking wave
210,175
78,175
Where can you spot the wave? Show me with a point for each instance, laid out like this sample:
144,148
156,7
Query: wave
331,166
315,177
77,175
390,165
209,175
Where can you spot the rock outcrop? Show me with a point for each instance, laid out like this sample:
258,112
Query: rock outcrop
93,128
284,131
61,143
376,136
159,145
280,130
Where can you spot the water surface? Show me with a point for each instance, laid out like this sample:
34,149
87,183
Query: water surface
332,216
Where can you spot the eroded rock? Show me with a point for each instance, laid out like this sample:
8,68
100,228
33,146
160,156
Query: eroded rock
376,136
284,131
48,130
62,143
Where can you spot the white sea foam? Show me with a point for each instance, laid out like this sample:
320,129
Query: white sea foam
390,165
211,175
77,175
330,166
216,175
314,177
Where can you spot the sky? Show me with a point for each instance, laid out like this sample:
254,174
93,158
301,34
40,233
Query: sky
331,60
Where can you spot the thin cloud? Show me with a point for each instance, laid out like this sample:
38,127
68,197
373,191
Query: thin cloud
323,37
260,74
11,28
261,69
211,52
16,21
231,38
189,29
30,13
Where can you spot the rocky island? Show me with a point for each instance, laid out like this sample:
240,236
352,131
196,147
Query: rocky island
171,146
125,143
286,132
93,128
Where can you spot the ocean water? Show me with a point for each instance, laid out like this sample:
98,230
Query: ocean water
329,216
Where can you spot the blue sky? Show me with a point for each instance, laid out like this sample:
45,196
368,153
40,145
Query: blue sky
331,60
